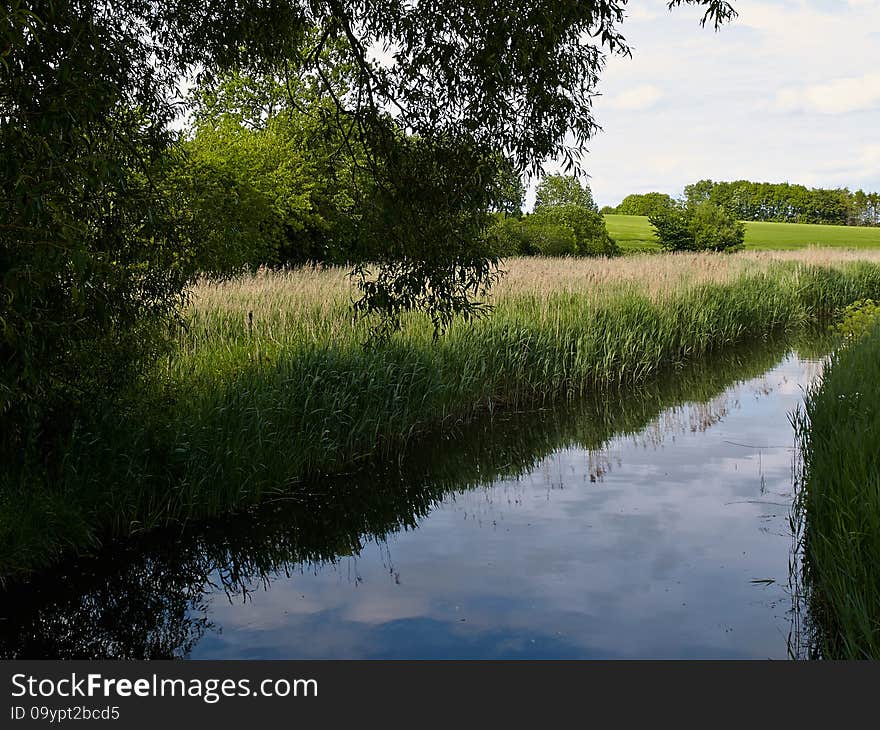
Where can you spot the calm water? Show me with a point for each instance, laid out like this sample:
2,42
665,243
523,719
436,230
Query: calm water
652,523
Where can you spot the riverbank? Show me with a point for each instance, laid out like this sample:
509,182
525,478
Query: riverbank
270,383
530,490
839,504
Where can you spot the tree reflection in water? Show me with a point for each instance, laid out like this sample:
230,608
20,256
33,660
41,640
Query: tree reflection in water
147,598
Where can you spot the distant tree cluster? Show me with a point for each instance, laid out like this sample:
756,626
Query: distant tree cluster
565,222
646,204
787,203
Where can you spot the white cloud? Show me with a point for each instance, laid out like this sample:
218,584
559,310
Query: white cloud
753,101
638,97
838,96
643,14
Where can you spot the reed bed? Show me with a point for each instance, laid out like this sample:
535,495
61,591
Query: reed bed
839,503
273,367
271,383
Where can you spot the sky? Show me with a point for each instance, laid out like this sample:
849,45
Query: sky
790,91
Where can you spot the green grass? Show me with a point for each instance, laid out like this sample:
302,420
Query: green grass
634,234
839,503
238,414
152,582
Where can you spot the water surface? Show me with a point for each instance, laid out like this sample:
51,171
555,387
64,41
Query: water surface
649,523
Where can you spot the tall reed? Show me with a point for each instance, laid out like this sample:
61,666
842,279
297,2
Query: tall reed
270,383
839,502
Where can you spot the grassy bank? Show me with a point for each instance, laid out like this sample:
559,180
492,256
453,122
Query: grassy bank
86,608
634,234
270,384
840,502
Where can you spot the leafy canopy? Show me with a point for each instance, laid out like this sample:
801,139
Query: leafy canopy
94,255
554,190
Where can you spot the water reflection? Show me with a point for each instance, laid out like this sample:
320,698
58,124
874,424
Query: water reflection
646,523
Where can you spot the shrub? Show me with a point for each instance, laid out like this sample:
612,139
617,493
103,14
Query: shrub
509,236
553,239
588,225
563,230
714,229
859,319
703,227
673,232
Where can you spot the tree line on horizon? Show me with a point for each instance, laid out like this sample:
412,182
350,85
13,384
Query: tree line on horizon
763,201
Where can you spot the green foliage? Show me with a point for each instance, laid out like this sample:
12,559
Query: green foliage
510,236
702,227
510,189
89,267
95,252
553,239
838,504
569,230
635,234
787,203
558,190
280,141
714,229
591,235
859,318
270,146
672,229
561,200
647,204
232,224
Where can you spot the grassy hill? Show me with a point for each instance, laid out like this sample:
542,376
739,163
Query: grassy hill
635,234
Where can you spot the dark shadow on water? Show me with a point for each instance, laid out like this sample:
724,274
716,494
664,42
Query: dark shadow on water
146,597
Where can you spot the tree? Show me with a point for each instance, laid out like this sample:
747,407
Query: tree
561,200
698,192
672,230
555,190
714,229
647,204
781,202
586,224
701,227
91,262
289,196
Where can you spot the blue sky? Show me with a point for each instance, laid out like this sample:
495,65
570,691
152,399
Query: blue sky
790,91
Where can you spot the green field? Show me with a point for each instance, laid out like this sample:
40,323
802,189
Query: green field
634,234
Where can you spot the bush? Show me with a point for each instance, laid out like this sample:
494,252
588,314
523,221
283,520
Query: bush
859,319
714,229
552,239
588,225
509,236
703,227
673,231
